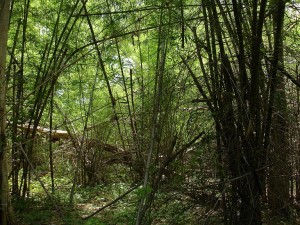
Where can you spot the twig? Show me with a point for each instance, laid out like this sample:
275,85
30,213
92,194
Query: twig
113,202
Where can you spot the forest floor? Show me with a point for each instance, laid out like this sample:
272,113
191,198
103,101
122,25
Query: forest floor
42,212
39,208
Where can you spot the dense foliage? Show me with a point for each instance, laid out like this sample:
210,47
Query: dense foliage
152,112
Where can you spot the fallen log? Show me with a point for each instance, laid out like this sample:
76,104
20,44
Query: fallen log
55,134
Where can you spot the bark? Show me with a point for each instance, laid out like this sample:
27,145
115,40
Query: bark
279,173
5,209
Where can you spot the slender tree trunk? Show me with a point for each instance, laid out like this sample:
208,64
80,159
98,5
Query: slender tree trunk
5,207
50,145
297,143
279,174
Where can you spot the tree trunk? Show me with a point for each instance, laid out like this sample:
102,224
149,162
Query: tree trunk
279,174
5,212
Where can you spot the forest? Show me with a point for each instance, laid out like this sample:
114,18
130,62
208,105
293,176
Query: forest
178,112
